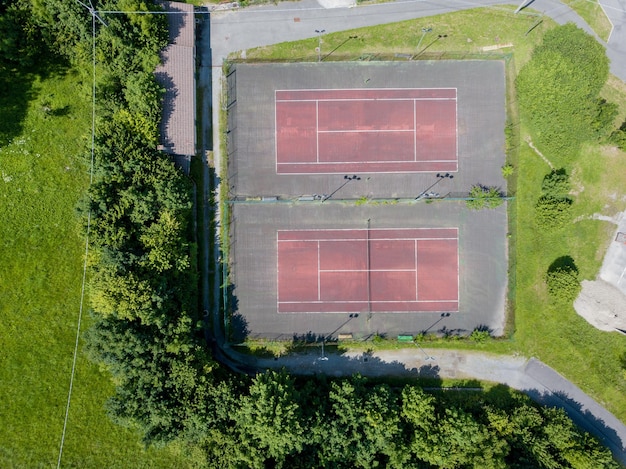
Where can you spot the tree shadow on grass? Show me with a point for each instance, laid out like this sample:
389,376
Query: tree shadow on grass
16,91
565,263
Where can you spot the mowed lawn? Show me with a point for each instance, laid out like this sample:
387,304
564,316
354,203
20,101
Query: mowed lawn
43,174
557,335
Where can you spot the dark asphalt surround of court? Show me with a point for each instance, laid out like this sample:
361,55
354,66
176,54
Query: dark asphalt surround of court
482,266
251,124
254,223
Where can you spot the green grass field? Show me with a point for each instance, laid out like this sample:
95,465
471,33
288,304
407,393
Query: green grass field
558,336
44,173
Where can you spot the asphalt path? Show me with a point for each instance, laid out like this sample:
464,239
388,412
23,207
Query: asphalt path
616,47
238,30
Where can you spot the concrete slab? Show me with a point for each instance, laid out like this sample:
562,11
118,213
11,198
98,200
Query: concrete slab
614,266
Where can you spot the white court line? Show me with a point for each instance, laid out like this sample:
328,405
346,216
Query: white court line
364,171
456,124
334,100
313,302
373,131
414,131
366,89
365,163
317,130
319,283
366,270
458,268
430,228
416,284
369,279
414,99
352,240
277,273
276,131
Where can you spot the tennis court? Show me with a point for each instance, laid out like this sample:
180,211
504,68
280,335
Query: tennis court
316,249
366,130
383,270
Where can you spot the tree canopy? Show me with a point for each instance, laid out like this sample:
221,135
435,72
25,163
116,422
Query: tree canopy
558,90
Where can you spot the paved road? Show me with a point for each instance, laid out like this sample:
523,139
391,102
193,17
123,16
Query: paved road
242,29
616,48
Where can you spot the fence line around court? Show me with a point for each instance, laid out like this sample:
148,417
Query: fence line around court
383,57
313,199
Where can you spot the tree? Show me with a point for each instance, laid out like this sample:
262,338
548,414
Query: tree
269,418
361,427
456,439
23,37
125,296
165,245
67,27
553,209
163,378
602,122
558,90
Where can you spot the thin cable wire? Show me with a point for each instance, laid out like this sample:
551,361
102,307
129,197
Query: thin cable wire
82,290
94,16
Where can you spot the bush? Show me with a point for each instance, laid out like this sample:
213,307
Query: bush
552,213
556,183
482,196
480,335
618,137
562,280
553,209
602,122
507,170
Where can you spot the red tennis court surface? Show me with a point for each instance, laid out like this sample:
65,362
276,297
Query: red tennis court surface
373,130
377,270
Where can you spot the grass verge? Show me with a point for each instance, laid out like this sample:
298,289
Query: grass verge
467,32
44,174
594,16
